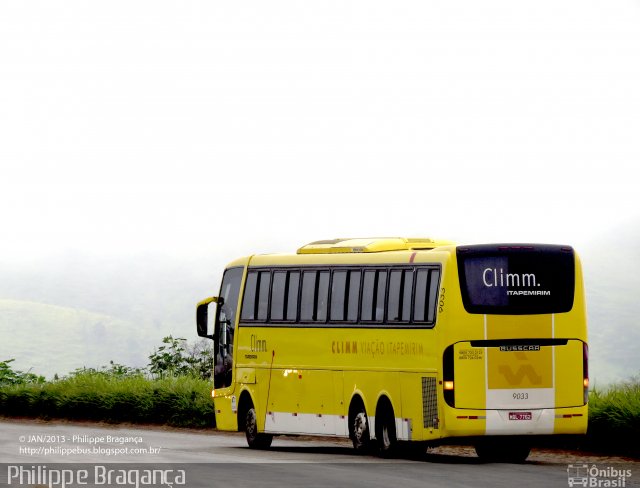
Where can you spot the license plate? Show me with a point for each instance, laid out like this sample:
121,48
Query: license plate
520,416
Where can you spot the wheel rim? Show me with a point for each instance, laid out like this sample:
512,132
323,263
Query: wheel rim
386,441
360,426
251,423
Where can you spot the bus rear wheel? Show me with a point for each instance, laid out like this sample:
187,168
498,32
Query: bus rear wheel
503,451
255,439
386,433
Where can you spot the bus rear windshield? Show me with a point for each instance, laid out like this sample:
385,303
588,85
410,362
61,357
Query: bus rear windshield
516,279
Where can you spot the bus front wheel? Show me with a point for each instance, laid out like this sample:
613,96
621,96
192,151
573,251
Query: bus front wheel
359,429
255,439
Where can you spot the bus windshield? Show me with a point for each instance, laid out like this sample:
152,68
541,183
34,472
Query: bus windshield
516,280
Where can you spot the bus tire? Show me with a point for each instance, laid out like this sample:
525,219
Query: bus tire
386,431
503,451
359,428
255,440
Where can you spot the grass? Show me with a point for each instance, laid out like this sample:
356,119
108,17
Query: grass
182,401
614,418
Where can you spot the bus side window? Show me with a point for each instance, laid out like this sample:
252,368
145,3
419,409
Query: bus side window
322,299
433,294
314,300
381,289
278,296
262,301
353,292
421,296
393,303
255,302
408,293
292,295
345,295
400,290
426,295
307,298
373,293
338,291
249,299
366,312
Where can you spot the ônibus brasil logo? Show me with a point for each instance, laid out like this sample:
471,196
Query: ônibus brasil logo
597,476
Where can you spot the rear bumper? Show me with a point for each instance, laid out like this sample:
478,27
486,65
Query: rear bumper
530,422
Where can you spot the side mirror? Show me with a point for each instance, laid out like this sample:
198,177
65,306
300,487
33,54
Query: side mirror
202,316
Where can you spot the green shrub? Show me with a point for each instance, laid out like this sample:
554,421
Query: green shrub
176,358
91,395
174,391
10,377
614,418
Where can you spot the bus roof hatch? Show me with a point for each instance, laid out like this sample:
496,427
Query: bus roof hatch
371,244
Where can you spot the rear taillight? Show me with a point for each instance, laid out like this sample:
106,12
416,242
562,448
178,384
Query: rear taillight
447,377
585,371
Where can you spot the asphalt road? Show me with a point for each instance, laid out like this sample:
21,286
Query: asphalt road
222,459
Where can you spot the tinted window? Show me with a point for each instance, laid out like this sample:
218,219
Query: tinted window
373,291
338,292
292,295
223,361
353,296
322,300
307,298
229,293
381,288
249,299
342,296
407,293
367,295
263,292
516,279
433,295
421,295
400,288
278,295
395,283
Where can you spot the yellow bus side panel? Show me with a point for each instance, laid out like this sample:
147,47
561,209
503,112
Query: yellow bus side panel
569,366
470,391
225,418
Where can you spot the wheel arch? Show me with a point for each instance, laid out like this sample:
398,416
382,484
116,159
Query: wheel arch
245,402
357,400
384,403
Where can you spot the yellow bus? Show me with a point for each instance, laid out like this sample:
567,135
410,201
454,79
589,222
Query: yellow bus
389,341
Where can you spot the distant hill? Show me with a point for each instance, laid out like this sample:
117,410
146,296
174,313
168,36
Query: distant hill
49,339
73,311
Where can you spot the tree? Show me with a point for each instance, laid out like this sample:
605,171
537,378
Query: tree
10,377
177,358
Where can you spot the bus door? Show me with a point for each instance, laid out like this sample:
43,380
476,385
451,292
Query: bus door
225,327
